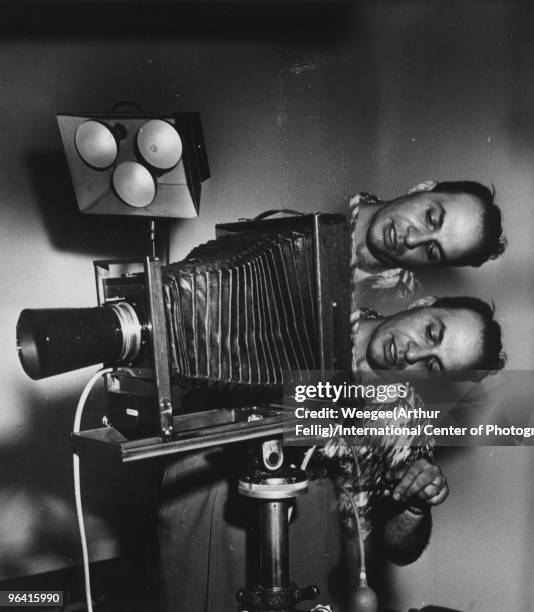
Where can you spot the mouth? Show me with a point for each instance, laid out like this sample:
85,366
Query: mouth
390,237
391,354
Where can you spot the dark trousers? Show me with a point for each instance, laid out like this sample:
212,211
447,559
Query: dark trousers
207,535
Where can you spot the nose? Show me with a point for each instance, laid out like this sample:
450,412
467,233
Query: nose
415,352
415,237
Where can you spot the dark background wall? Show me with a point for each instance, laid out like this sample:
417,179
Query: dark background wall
302,105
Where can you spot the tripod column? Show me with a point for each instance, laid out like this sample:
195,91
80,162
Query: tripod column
273,492
274,545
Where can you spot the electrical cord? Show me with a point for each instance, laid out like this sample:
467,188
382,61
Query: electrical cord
363,569
77,484
363,598
304,465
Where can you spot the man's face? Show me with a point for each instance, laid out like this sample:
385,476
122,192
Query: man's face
428,339
426,229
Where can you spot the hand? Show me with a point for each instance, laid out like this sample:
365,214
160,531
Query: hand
421,481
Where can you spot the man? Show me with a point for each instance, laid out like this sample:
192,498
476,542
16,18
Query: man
452,223
436,336
393,482
387,486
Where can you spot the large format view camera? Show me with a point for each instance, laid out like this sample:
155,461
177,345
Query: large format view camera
264,301
266,297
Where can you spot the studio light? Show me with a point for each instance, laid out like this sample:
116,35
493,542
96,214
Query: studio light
126,163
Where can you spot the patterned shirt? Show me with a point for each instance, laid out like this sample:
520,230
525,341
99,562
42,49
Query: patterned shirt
360,465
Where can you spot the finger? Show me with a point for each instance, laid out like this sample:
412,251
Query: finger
428,476
413,472
440,497
415,467
421,468
431,490
402,486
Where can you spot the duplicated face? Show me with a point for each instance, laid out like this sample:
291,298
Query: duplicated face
426,229
428,339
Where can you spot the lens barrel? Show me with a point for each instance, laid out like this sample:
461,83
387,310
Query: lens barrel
56,340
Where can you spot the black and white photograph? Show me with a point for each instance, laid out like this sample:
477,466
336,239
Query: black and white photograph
267,305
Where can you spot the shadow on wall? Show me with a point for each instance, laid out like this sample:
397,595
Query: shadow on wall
69,229
38,527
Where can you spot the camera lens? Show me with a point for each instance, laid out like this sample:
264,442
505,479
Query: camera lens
55,340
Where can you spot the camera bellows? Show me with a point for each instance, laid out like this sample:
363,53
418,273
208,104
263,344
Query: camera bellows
241,309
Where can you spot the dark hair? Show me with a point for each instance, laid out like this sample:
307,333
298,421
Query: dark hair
493,242
493,357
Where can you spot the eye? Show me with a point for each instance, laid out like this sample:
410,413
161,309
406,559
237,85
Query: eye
434,216
431,218
432,252
433,365
432,334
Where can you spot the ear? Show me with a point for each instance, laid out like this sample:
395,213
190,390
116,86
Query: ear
427,300
426,186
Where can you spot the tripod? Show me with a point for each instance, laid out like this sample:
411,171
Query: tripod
274,486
